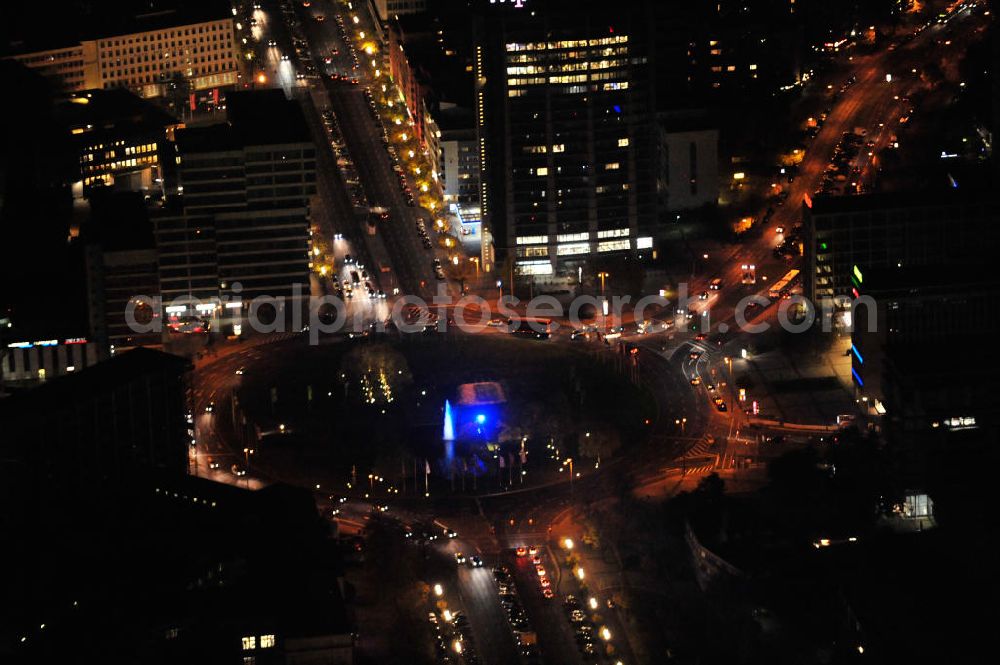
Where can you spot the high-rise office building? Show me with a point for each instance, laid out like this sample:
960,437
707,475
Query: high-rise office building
240,226
566,129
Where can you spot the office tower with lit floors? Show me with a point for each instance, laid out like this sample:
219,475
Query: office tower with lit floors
566,130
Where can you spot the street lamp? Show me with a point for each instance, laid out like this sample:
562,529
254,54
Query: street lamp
246,455
603,275
569,460
681,422
438,590
568,543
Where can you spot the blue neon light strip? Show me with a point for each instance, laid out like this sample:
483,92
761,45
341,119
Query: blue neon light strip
857,354
857,378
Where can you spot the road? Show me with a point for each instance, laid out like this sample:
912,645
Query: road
364,137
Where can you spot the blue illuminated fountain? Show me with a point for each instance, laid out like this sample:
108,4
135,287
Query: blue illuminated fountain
448,435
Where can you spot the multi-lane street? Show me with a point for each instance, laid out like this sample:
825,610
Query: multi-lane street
363,134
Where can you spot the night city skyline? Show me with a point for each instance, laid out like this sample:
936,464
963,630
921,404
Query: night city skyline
500,332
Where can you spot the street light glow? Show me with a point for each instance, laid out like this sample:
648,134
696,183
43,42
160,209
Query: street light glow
438,590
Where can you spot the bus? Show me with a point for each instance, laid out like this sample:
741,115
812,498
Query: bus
782,287
527,326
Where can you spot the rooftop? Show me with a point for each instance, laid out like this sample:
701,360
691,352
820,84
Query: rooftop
255,118
30,26
116,110
923,280
103,377
824,205
476,394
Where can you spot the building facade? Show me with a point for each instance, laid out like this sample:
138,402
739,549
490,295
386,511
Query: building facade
566,132
460,172
891,230
386,9
70,68
902,369
240,227
118,138
32,362
148,53
688,174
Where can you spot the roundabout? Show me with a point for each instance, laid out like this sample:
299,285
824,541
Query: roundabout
418,414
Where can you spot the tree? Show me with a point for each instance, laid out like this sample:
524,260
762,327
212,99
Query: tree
511,432
599,442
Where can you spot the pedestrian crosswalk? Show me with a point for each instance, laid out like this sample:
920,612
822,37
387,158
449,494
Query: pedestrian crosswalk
699,469
699,448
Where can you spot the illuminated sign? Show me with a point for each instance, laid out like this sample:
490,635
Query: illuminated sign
963,422
47,342
20,345
514,3
76,340
858,275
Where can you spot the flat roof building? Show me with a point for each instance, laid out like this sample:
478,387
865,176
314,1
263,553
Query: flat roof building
118,138
459,162
903,365
141,46
239,227
899,229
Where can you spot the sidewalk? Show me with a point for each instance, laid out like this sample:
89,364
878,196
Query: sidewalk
603,580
